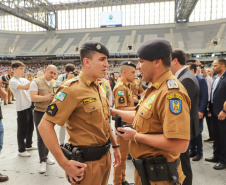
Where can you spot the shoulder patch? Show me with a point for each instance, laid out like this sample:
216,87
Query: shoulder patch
121,93
52,110
175,106
89,100
172,84
60,96
121,99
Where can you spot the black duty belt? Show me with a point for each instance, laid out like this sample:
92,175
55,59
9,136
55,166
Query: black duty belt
89,153
157,169
93,153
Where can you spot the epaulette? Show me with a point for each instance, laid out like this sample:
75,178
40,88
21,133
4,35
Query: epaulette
172,84
71,81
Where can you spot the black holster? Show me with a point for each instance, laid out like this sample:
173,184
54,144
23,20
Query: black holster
157,169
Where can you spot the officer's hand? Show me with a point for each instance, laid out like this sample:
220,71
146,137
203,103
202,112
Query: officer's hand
1,82
70,75
128,133
75,170
135,100
222,115
50,96
117,156
200,115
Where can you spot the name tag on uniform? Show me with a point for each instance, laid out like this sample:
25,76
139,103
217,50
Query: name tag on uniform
89,100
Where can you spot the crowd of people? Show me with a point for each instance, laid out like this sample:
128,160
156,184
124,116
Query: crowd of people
147,101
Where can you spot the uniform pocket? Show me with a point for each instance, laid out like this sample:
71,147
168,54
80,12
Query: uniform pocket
146,120
92,113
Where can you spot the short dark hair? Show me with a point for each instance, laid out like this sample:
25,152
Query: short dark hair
17,64
222,61
192,66
166,61
86,53
180,55
69,67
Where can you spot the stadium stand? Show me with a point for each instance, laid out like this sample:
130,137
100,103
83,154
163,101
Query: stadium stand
191,37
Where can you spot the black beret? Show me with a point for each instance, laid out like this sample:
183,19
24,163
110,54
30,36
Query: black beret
154,49
128,63
96,46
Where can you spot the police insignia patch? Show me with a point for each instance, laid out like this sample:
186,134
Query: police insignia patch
151,99
98,47
148,106
60,96
172,84
89,100
121,99
106,85
175,106
121,93
52,110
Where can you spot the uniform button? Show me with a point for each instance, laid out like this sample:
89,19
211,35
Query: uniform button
142,113
145,96
93,107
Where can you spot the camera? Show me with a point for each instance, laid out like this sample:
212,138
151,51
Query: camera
5,78
75,73
202,66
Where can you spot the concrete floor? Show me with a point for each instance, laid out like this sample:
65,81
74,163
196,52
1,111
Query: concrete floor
24,171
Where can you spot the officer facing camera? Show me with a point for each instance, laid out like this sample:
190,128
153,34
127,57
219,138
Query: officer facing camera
158,136
82,103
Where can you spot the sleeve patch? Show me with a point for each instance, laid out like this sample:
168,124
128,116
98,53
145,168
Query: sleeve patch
60,96
175,106
172,84
121,99
52,110
121,93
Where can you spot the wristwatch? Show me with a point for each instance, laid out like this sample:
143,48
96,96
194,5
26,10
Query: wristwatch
117,146
224,111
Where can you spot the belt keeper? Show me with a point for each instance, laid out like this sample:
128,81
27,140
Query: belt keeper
134,137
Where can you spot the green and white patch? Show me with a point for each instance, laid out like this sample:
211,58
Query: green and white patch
60,96
121,93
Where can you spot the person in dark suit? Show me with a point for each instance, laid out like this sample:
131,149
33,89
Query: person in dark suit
196,147
190,82
218,111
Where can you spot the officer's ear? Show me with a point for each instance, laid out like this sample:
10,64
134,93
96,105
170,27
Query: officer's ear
86,62
174,61
158,62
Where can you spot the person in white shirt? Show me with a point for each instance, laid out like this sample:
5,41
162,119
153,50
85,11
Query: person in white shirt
25,126
41,91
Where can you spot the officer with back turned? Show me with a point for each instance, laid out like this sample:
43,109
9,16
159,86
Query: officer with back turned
82,103
158,135
123,100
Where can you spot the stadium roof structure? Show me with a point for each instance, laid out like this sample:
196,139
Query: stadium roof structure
43,12
184,9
